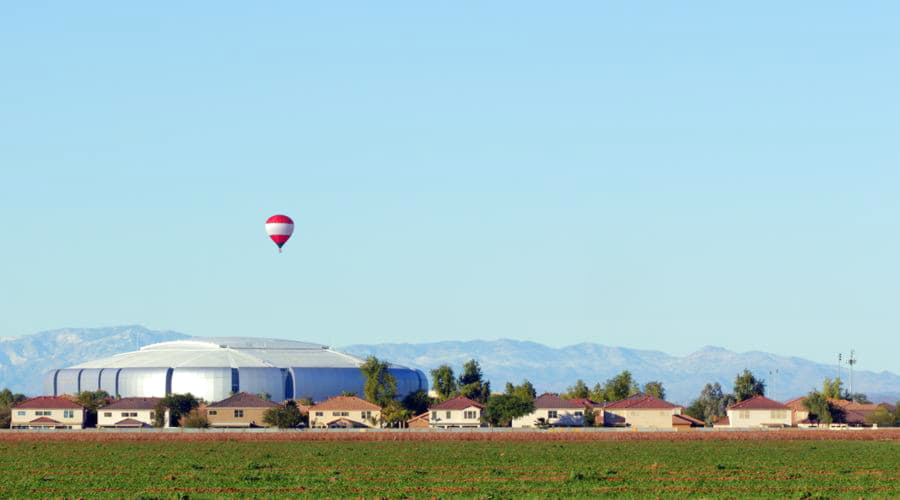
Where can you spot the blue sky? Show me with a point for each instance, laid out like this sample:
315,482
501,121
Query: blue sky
641,174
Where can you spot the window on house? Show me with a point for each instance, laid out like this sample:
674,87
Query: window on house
320,414
366,414
744,414
68,414
212,412
107,414
238,413
579,413
778,414
43,413
449,413
152,415
21,413
552,414
470,414
434,415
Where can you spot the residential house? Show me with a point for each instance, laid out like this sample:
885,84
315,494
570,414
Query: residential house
241,410
759,411
847,412
594,406
344,412
459,412
799,413
47,412
552,410
420,421
130,413
645,411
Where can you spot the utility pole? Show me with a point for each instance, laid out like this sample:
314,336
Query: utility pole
839,366
851,361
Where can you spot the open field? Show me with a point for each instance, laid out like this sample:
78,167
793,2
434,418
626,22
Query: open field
352,464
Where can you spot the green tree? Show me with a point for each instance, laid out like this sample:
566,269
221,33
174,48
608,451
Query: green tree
590,418
819,408
472,384
444,382
598,393
417,402
348,394
858,397
178,406
711,404
194,419
307,401
92,401
525,390
264,395
393,414
287,416
501,409
619,387
578,391
746,386
7,400
655,389
833,389
380,386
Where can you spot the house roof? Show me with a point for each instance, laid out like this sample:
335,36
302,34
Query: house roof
641,402
350,403
687,420
133,404
49,403
588,403
44,420
457,403
722,421
345,420
129,422
796,403
244,400
550,400
759,403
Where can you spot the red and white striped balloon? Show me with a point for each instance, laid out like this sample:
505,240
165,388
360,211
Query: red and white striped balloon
279,228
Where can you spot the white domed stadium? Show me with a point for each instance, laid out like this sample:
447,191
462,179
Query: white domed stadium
214,368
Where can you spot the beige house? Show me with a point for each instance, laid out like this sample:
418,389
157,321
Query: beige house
47,412
344,412
455,412
759,411
645,411
241,410
799,413
130,413
552,410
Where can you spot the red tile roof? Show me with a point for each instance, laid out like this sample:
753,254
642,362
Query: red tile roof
759,403
48,403
550,400
796,404
587,403
349,403
244,400
44,420
133,404
641,402
425,417
457,403
687,420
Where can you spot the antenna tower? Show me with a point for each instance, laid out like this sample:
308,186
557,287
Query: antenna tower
851,361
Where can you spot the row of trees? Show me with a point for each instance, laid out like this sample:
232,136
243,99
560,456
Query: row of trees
619,387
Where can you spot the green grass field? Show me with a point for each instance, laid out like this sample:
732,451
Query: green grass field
796,469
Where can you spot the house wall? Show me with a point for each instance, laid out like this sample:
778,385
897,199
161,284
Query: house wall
317,420
224,417
455,418
798,416
653,418
23,417
108,418
565,417
759,418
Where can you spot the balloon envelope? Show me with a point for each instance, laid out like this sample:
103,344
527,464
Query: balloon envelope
279,228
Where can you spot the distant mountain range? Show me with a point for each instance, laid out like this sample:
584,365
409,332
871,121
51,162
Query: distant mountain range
24,360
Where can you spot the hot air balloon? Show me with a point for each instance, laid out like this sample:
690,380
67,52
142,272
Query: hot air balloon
279,228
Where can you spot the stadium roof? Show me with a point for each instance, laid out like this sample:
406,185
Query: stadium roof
234,352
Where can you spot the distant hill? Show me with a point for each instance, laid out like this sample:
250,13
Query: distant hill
24,360
554,369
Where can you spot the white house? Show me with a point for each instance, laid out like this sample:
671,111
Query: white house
47,412
134,413
759,411
552,410
455,412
